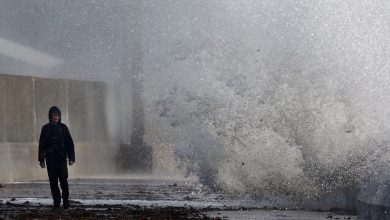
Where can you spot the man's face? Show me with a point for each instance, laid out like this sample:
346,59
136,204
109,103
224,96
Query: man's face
55,117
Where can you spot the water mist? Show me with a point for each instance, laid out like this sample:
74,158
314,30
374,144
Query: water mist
285,98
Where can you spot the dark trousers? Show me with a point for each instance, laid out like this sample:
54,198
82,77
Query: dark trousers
58,170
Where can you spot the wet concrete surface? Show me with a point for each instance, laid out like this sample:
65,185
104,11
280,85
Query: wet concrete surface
142,198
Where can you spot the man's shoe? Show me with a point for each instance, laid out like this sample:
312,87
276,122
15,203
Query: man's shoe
66,205
55,209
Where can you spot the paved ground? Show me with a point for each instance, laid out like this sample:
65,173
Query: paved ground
144,198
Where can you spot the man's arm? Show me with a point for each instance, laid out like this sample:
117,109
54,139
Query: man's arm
42,147
69,146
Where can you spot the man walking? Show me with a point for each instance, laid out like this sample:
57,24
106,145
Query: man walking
56,146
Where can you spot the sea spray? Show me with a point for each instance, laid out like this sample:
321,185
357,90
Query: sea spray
283,98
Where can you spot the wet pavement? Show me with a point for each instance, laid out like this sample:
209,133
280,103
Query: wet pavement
140,198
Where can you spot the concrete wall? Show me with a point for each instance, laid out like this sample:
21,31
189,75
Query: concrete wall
24,105
16,97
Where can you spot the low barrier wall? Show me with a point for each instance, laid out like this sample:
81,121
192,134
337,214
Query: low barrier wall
24,105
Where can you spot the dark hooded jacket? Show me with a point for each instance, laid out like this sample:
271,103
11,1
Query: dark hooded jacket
55,142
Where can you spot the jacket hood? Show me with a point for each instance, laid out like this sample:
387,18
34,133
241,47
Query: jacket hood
53,110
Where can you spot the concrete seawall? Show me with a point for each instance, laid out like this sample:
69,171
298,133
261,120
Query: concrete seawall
24,104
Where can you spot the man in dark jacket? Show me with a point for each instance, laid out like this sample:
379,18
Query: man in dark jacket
56,146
